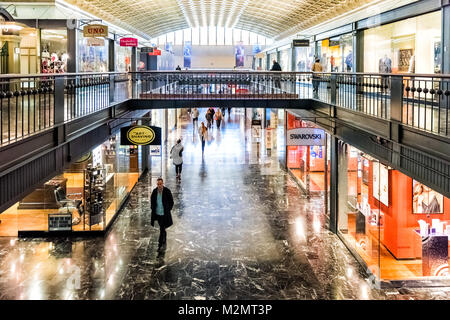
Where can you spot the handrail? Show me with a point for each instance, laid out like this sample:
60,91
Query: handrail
56,75
212,71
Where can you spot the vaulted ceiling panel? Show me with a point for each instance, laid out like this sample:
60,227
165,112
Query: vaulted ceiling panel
271,18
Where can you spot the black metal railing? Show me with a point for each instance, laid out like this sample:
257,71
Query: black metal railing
32,103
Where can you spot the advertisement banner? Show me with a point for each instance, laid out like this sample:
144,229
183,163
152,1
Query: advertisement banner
155,52
305,137
128,42
187,54
95,30
239,54
140,135
155,150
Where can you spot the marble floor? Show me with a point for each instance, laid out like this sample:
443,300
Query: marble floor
242,230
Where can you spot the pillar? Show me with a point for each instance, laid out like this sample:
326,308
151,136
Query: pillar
72,41
445,52
334,184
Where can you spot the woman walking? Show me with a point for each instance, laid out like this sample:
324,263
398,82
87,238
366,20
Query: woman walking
176,154
203,133
218,117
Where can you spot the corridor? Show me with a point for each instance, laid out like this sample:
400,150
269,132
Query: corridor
242,230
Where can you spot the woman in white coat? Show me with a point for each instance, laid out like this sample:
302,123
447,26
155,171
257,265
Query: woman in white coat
176,154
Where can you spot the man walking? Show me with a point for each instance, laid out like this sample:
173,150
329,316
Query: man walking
161,204
195,114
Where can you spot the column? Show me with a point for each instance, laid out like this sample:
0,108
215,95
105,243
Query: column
334,184
445,52
112,55
72,42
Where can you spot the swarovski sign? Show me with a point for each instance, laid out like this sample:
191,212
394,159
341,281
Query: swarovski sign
305,137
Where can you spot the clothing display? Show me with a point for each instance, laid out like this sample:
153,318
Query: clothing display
385,65
94,193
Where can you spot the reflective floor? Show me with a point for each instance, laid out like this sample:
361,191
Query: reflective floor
242,230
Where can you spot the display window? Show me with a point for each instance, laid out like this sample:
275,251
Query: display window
29,51
336,54
285,59
308,164
92,54
87,195
123,59
54,55
304,58
399,226
408,46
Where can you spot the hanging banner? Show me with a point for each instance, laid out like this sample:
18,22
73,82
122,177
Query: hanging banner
128,42
187,54
95,42
239,54
155,52
95,30
300,43
155,150
305,137
146,49
140,135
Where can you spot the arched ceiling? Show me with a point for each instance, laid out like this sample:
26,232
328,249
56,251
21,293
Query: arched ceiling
271,18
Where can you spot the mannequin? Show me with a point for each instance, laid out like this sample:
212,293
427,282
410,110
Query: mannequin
385,64
412,64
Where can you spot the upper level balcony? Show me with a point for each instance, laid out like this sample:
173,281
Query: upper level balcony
35,103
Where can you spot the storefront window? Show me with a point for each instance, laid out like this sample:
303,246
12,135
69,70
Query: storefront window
29,63
382,213
307,163
304,58
408,46
54,55
92,54
336,54
90,191
285,59
123,58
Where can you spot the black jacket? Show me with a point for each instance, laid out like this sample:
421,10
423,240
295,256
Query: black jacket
276,67
167,201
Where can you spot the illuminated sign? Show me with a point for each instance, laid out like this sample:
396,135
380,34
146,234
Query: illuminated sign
128,42
140,135
300,43
305,137
95,30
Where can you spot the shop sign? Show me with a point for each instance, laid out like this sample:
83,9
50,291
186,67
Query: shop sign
140,135
95,30
60,222
155,52
300,43
269,138
146,49
95,42
305,137
155,150
128,42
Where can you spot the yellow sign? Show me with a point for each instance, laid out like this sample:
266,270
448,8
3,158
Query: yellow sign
95,30
141,135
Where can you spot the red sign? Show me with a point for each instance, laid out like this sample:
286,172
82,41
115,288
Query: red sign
128,42
155,52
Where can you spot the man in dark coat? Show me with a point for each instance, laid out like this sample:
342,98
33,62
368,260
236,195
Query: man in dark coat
276,67
161,204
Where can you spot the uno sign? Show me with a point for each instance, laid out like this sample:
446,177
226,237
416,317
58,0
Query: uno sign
305,137
95,30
